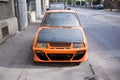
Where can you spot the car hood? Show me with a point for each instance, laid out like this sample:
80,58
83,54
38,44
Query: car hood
59,35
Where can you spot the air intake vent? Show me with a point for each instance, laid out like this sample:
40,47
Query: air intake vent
60,44
5,31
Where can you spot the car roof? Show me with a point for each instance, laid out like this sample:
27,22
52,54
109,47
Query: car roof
52,11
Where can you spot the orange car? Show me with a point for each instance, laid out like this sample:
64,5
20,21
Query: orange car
60,38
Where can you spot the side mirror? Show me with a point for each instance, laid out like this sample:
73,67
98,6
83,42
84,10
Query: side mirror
68,8
47,9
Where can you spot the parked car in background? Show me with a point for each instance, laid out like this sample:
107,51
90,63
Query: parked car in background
56,6
93,6
60,38
97,6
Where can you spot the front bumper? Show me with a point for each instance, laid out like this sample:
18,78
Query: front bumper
60,55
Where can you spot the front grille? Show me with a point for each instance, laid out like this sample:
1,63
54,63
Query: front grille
60,56
60,44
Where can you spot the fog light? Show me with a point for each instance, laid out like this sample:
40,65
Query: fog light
41,55
79,55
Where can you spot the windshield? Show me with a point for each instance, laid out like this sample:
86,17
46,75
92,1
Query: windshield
60,19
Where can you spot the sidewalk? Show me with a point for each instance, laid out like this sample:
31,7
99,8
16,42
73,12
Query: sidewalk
113,10
15,52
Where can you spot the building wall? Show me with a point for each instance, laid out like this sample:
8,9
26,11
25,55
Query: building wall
119,5
113,4
6,10
8,21
41,6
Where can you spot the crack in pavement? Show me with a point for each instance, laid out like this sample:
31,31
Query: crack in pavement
92,77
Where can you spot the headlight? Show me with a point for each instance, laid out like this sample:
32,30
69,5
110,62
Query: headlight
42,45
78,45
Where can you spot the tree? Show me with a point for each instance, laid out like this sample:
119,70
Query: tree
78,3
111,5
70,2
82,3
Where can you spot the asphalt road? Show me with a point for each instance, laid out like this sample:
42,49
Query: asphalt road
102,30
